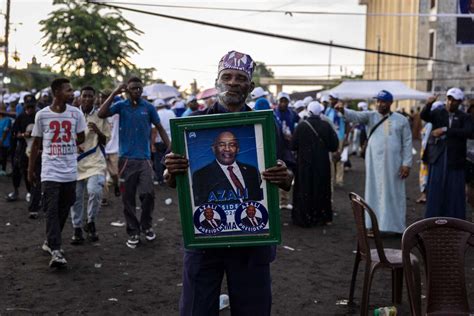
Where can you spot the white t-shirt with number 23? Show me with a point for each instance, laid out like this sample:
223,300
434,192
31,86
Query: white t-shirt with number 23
59,132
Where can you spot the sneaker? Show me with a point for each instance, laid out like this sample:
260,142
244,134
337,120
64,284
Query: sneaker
89,228
104,202
11,197
28,197
156,182
133,241
33,215
150,234
289,207
57,259
46,248
77,238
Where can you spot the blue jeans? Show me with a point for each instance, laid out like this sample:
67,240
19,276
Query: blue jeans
95,185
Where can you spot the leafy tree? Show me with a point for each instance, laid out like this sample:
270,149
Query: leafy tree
261,70
28,79
147,75
91,43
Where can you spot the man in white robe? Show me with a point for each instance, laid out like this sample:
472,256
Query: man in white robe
387,161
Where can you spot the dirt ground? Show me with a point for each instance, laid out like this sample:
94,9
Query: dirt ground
108,278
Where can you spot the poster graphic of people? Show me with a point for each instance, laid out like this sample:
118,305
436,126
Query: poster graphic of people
228,194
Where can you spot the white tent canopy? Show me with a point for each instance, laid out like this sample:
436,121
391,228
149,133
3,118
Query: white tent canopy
160,91
367,89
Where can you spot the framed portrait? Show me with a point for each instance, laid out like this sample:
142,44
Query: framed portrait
223,200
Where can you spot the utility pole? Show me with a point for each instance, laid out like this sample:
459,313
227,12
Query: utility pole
329,63
378,57
7,32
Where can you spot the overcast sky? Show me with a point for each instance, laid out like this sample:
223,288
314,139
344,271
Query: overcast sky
183,51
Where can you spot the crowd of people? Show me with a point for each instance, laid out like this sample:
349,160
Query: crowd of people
67,146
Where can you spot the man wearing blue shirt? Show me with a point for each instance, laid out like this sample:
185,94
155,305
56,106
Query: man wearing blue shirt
135,167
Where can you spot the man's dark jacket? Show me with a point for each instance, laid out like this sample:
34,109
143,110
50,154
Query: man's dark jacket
246,221
206,224
454,139
211,178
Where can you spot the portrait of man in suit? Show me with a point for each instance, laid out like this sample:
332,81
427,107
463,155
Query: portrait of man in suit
251,220
209,221
226,179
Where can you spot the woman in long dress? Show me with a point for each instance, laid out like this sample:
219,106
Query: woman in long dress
313,140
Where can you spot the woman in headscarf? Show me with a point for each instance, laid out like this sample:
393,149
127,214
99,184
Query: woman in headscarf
313,140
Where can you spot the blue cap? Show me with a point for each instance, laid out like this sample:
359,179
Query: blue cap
384,95
262,104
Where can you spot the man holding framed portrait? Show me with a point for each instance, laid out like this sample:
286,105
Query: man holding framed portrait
247,268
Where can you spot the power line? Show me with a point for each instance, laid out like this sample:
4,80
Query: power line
388,79
287,12
392,70
426,79
343,65
273,35
434,79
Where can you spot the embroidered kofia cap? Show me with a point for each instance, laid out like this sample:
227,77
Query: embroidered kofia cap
237,61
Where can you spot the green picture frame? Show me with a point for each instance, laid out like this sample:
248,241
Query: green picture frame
204,140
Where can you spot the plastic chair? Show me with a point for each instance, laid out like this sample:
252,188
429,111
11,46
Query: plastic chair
379,257
442,241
